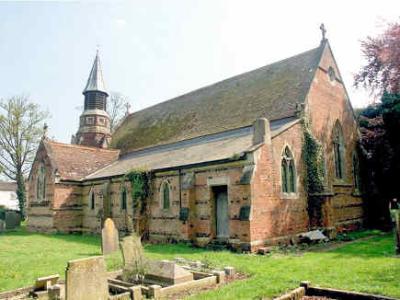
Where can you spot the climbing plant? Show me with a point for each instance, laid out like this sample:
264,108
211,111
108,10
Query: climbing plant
314,161
140,185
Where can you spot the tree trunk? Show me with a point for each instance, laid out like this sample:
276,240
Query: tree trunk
397,232
21,194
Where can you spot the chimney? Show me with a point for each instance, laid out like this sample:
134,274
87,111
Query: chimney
262,132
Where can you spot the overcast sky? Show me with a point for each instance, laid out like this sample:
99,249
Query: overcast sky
155,50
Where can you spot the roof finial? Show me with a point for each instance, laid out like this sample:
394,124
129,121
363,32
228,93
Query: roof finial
128,108
323,31
45,130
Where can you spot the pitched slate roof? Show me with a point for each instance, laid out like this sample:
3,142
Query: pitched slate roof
73,162
271,92
95,81
223,146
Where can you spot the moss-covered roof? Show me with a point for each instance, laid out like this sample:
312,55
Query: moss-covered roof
271,92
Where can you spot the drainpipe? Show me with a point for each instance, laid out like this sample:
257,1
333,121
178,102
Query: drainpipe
180,189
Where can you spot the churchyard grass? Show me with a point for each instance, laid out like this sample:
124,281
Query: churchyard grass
365,265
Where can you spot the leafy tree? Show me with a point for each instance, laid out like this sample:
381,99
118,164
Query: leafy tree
379,127
21,124
382,70
117,107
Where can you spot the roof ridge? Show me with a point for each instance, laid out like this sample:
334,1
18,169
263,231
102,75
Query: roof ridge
224,80
82,147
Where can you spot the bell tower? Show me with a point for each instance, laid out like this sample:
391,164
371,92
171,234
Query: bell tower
94,125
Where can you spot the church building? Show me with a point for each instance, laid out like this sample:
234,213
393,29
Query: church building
253,160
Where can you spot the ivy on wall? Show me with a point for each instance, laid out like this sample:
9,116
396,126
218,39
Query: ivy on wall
140,186
314,161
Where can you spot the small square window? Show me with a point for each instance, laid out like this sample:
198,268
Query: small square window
89,120
101,120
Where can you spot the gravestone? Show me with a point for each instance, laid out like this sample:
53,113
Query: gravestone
13,219
109,237
86,279
167,273
2,226
132,250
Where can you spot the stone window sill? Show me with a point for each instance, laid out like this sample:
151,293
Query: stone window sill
40,203
289,196
341,183
356,193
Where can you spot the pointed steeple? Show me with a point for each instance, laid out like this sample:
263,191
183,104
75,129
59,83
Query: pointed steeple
94,125
95,82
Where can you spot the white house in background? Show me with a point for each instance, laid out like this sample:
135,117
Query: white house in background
8,195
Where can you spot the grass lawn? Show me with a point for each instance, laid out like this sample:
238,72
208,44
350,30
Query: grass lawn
365,265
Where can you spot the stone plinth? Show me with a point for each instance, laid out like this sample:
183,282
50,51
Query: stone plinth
167,272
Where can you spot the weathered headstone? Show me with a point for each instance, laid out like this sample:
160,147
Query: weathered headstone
12,219
2,226
167,272
132,250
86,279
109,237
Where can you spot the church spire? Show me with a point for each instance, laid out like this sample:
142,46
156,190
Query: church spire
94,126
95,82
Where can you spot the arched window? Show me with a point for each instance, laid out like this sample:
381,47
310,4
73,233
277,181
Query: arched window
165,195
356,171
331,74
41,183
92,199
338,150
124,199
288,172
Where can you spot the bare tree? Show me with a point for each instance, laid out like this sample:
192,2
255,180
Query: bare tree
117,107
21,127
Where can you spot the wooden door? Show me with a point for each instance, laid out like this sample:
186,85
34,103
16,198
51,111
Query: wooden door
222,215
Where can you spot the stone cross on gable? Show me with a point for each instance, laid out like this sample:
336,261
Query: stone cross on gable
128,108
45,130
323,31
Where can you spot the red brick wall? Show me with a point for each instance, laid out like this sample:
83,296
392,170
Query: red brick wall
327,103
67,207
275,214
40,214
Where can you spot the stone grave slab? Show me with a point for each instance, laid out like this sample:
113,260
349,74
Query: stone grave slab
86,279
314,236
132,250
43,283
109,237
167,272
